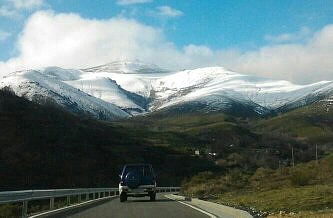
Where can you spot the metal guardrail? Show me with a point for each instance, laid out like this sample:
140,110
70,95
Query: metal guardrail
25,196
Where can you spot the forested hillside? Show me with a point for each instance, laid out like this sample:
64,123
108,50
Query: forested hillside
43,146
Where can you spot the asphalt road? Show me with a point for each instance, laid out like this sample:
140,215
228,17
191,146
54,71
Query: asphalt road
137,208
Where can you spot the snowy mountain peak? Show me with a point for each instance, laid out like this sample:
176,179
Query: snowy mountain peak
127,67
62,74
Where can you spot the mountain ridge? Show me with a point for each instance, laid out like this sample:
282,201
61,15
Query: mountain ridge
128,88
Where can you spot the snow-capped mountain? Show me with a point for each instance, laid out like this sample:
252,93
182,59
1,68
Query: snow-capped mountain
50,83
122,89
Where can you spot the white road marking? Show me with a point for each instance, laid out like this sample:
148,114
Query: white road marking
195,208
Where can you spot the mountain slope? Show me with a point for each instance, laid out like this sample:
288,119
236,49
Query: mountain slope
49,83
312,124
122,89
44,146
217,83
39,141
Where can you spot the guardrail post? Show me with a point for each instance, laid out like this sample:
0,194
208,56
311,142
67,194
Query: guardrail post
51,203
68,200
87,196
24,209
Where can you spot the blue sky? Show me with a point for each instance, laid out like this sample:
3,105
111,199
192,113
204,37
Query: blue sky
218,28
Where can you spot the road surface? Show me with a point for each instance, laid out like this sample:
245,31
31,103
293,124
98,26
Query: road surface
136,208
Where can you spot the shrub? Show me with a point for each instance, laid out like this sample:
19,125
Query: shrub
325,171
301,177
236,179
9,210
202,177
261,177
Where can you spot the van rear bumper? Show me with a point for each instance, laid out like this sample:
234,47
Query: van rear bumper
142,190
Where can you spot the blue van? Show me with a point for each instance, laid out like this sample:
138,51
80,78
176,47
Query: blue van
137,180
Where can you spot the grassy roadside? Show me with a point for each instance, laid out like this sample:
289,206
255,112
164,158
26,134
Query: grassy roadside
306,214
287,201
305,190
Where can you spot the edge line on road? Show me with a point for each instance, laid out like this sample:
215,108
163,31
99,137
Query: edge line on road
195,208
74,206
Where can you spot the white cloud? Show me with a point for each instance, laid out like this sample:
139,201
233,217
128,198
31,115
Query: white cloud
6,12
305,62
302,63
167,11
302,34
198,50
68,40
131,2
4,35
27,4
13,8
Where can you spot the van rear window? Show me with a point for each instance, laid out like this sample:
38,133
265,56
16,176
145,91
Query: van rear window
144,170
